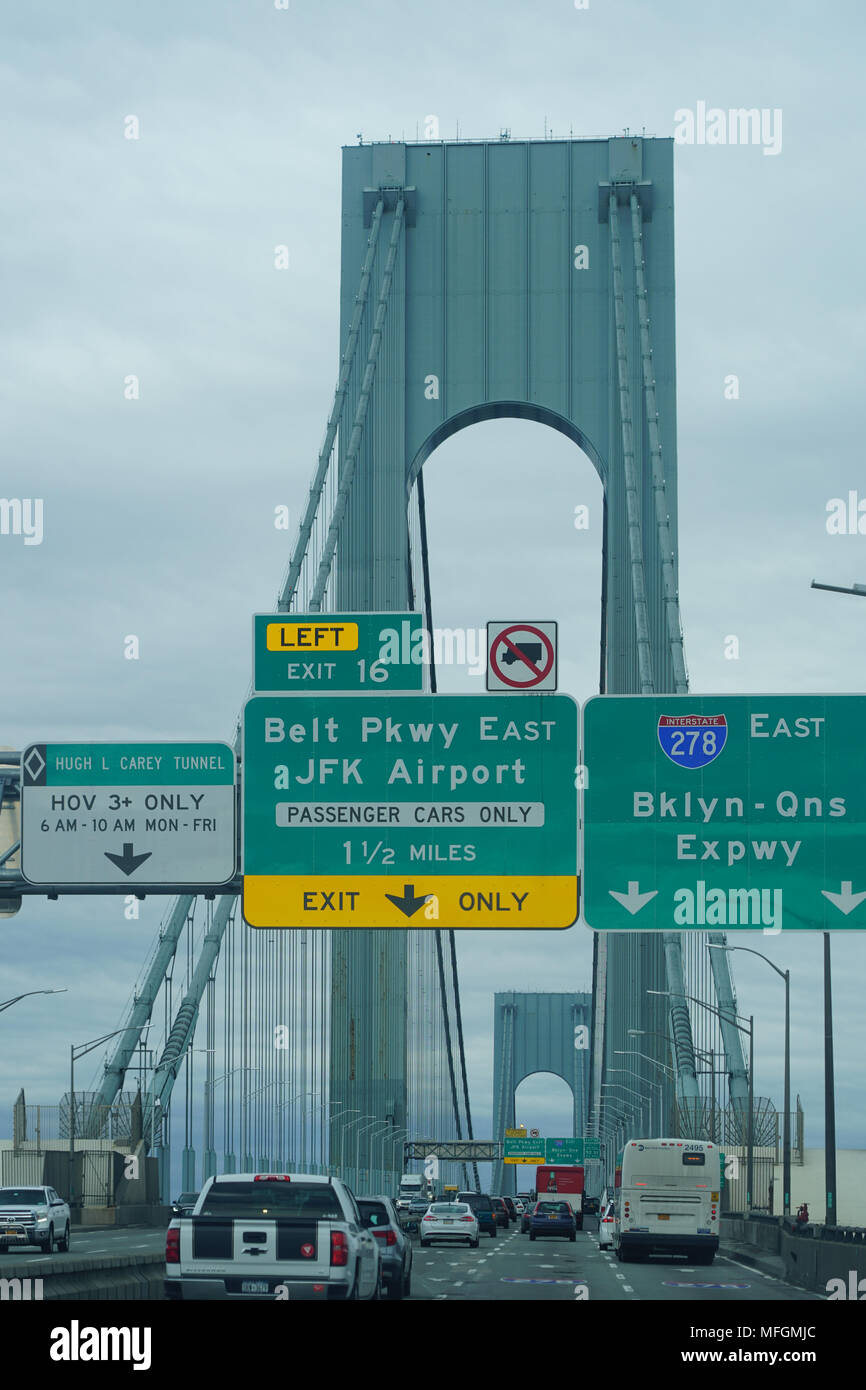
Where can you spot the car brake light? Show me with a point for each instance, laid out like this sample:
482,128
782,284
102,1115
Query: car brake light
272,1177
429,1218
339,1248
389,1237
467,1218
172,1247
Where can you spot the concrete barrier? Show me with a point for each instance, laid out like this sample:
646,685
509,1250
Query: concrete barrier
813,1257
830,1262
110,1277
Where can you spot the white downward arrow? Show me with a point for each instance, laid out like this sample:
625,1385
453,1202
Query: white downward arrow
846,901
634,900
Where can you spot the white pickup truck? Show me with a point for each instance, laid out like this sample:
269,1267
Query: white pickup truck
272,1236
33,1216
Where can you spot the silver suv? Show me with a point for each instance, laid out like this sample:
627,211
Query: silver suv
33,1216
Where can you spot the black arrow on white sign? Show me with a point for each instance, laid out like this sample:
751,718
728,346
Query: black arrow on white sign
128,861
408,904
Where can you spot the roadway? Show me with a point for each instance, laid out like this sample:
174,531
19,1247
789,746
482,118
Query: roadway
92,1241
513,1267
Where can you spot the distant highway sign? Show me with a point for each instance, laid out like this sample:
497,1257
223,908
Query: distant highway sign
563,1150
128,813
523,1151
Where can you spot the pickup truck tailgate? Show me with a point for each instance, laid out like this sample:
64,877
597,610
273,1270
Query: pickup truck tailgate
284,1247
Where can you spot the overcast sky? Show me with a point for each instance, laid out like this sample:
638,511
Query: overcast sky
154,257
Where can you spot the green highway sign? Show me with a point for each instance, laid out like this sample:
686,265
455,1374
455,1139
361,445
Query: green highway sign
301,653
563,1150
410,810
724,812
128,814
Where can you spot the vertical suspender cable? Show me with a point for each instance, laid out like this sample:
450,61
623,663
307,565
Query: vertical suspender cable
428,618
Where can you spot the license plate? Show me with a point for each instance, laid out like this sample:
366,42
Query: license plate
449,1221
254,1286
16,1234
664,1216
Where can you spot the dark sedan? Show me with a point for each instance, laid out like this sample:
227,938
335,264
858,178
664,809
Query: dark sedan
512,1209
526,1217
552,1219
501,1211
183,1205
482,1205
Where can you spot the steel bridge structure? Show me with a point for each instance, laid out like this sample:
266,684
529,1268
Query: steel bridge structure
479,280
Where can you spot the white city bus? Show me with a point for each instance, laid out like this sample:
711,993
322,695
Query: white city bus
667,1199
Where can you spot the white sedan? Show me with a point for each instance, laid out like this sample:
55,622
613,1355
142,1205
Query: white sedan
606,1224
518,1206
449,1221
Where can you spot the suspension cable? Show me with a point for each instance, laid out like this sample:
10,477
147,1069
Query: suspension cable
303,541
428,618
348,470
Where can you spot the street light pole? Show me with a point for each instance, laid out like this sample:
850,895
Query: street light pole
786,1102
731,1018
615,1086
7,1003
830,1194
363,1130
750,1152
657,1085
74,1054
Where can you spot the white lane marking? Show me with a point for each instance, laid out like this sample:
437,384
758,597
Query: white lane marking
458,1284
627,1288
547,1266
752,1270
620,1276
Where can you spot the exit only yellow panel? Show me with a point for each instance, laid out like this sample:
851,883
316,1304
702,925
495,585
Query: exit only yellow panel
443,901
